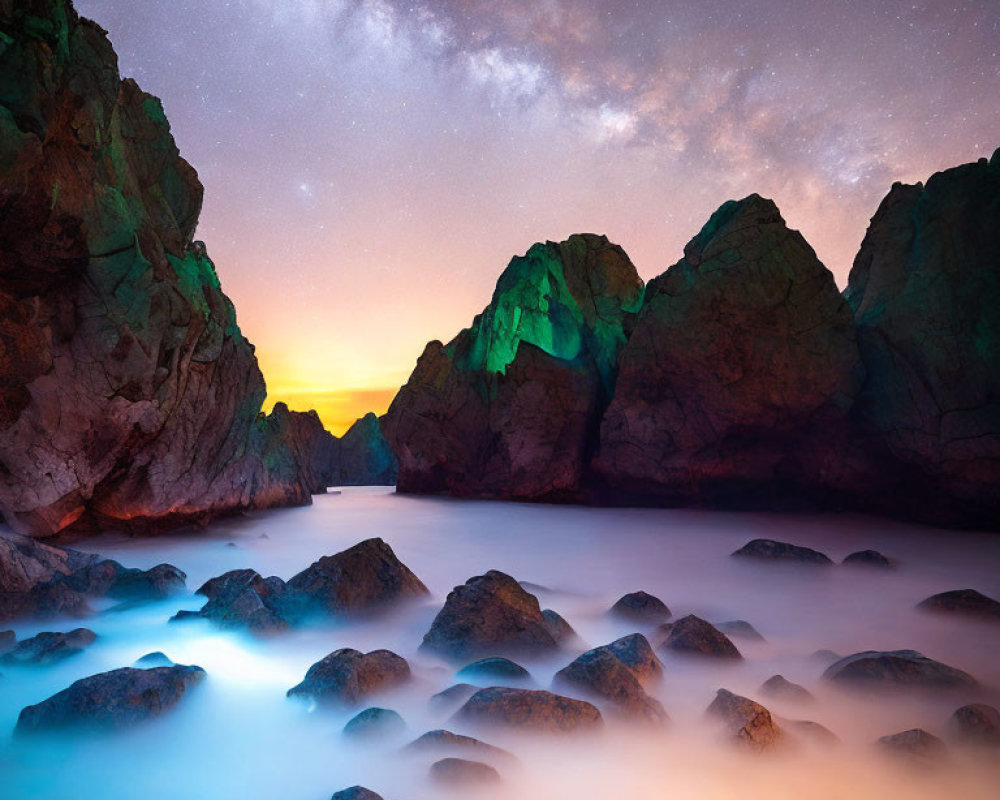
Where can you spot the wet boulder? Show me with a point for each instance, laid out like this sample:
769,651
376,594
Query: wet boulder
453,696
636,654
530,710
691,635
502,669
771,550
48,647
108,578
599,673
900,668
560,629
811,731
963,602
746,722
346,677
242,598
868,558
459,772
914,743
363,578
780,687
443,741
641,607
375,723
112,700
977,724
51,599
490,614
154,659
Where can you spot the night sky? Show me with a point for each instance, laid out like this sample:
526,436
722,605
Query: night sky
371,166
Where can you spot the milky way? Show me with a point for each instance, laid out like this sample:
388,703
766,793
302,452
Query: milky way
371,166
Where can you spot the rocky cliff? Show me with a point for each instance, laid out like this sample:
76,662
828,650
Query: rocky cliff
128,395
509,407
742,378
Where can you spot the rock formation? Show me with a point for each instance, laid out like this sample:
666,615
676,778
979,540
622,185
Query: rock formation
529,710
509,408
129,398
362,456
346,677
896,668
925,290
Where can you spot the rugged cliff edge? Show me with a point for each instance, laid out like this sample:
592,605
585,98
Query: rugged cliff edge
743,378
128,395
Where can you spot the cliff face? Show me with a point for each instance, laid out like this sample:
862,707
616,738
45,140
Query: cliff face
509,407
735,386
128,395
743,378
925,289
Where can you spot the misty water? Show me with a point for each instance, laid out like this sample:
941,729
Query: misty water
236,735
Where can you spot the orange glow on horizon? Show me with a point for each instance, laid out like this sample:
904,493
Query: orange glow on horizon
338,409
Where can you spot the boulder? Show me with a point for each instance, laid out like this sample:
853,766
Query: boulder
366,577
636,654
356,793
502,669
780,687
641,607
458,772
868,558
453,696
691,635
963,602
747,723
7,641
113,700
925,293
914,743
560,629
242,598
375,723
490,614
977,724
898,668
812,731
740,628
736,384
510,407
154,659
771,550
47,648
26,563
346,676
599,673
111,309
530,710
442,741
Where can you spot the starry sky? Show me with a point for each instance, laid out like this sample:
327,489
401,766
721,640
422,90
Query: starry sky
370,166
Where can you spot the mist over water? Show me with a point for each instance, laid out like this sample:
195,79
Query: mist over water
236,735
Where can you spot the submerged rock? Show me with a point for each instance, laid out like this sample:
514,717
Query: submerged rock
746,722
813,731
780,687
691,635
112,700
242,598
771,550
510,407
739,627
375,723
977,724
916,743
346,676
494,667
601,673
901,668
641,607
442,741
453,696
7,641
459,772
636,654
530,710
868,558
47,648
560,629
356,793
490,614
963,602
154,659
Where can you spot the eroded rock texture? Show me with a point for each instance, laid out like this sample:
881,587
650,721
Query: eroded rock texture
128,395
925,289
510,407
735,386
